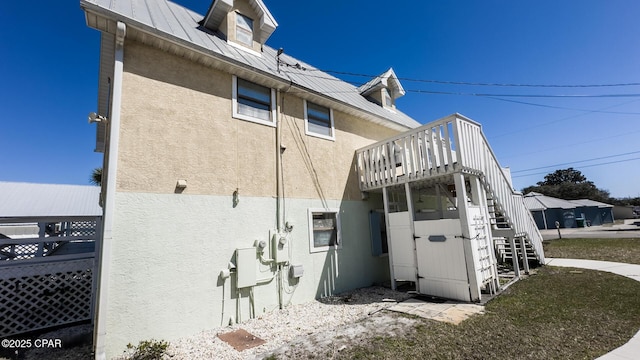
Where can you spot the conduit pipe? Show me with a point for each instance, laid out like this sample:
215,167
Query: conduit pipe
110,171
279,199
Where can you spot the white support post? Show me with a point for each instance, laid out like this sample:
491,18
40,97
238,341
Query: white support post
385,201
409,197
514,256
463,210
525,260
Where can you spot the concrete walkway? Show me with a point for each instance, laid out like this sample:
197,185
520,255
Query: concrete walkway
630,228
630,350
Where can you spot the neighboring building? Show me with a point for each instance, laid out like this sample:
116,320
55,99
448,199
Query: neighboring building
24,205
238,179
546,210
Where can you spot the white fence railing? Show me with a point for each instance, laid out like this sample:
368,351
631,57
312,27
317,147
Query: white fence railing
452,144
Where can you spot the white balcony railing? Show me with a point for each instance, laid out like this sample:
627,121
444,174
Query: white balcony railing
449,145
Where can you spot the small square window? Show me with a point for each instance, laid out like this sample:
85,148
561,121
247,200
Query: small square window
244,30
318,121
253,102
324,229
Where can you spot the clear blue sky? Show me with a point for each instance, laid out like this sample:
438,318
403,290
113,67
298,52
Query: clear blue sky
49,64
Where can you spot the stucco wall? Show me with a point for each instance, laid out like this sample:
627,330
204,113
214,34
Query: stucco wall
168,248
177,124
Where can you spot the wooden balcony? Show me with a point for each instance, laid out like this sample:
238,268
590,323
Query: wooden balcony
435,151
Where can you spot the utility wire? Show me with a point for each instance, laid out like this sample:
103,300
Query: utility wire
525,95
575,162
553,122
572,144
482,83
584,166
433,92
565,108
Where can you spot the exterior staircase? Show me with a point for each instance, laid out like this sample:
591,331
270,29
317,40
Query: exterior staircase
436,151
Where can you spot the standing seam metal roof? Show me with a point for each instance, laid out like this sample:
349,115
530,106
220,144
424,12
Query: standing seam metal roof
174,22
48,200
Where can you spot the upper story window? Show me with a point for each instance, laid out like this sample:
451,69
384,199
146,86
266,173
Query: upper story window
253,102
318,121
244,30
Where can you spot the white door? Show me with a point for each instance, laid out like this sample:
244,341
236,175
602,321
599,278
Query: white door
442,268
402,246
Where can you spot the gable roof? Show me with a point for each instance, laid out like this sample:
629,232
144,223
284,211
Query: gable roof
388,79
536,201
48,200
176,29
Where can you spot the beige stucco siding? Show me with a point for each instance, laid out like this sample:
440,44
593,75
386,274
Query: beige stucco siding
177,124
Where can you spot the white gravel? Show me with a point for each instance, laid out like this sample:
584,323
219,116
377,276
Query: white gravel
297,331
315,327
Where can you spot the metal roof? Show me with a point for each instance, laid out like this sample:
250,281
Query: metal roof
590,203
536,201
179,26
533,204
48,200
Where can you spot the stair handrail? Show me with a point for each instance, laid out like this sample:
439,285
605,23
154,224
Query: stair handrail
475,154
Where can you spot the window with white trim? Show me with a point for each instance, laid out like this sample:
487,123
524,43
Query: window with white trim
244,30
318,121
324,229
253,102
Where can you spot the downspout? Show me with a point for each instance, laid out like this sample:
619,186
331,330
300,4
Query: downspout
111,152
279,200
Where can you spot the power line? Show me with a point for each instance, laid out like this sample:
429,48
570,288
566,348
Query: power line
483,83
552,122
585,166
525,95
575,162
433,92
573,144
565,108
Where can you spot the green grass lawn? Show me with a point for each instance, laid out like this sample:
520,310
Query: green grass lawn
620,250
558,313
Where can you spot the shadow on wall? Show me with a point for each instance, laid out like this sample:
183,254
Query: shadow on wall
327,284
352,186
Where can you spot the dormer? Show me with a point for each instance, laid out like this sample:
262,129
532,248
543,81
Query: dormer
383,90
246,24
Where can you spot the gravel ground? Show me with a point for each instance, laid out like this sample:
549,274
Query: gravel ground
318,328
301,330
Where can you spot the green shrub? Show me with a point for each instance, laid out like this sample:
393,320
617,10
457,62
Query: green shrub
148,350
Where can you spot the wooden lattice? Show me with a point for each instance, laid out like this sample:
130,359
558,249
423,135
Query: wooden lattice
38,296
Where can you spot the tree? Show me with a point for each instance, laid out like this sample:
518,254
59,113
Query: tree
569,184
96,177
559,177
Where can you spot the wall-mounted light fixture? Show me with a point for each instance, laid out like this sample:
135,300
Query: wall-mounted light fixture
181,184
95,118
